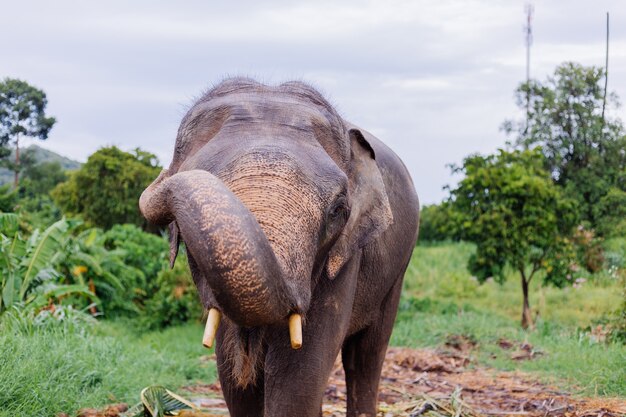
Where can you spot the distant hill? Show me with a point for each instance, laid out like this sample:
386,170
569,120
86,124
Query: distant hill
41,155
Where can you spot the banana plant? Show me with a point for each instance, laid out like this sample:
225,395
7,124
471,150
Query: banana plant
29,266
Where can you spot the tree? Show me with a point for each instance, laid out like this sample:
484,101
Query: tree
584,151
40,179
516,216
438,222
105,190
611,212
22,113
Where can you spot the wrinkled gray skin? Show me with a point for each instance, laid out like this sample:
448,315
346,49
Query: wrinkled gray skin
285,207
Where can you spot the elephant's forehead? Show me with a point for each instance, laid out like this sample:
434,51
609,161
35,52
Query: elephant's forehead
273,114
279,109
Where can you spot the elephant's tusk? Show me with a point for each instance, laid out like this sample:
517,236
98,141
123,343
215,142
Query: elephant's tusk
212,323
295,330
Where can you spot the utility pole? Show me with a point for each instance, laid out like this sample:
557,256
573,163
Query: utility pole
529,40
606,67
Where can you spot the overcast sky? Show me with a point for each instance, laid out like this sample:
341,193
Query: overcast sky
432,79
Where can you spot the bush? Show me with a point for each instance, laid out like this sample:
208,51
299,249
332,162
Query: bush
176,299
105,190
589,249
143,255
610,213
615,252
144,251
31,270
8,199
438,223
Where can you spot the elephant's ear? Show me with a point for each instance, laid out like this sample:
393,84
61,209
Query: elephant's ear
370,213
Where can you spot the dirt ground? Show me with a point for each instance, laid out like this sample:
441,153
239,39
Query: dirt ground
442,383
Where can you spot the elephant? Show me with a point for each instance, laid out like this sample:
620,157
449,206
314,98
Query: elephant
298,226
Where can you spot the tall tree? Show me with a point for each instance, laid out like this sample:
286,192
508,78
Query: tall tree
22,113
517,216
106,189
565,118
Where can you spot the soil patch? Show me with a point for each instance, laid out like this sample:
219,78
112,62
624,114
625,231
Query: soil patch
440,383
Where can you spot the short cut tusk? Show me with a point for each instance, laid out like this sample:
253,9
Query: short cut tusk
295,330
212,323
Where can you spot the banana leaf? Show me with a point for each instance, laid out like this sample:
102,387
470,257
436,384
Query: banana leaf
44,247
157,401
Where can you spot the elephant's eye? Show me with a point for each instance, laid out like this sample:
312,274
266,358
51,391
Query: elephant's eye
339,210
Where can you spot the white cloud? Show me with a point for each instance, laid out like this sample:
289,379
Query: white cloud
434,79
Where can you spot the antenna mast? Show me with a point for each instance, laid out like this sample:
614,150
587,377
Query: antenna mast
606,67
529,40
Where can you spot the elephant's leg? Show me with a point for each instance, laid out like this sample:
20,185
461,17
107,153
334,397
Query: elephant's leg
295,380
242,402
363,355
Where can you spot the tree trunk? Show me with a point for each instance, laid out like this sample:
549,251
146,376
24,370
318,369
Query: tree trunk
527,318
16,169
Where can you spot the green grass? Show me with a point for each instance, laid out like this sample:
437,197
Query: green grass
442,299
46,372
61,370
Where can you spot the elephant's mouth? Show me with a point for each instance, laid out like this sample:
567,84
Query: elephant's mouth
215,316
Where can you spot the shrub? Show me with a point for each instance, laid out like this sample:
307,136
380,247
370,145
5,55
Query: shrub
176,299
30,272
589,249
105,190
144,251
438,222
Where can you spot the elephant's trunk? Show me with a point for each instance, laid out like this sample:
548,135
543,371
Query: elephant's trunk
227,243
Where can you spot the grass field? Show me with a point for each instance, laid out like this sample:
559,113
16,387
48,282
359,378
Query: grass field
64,369
441,299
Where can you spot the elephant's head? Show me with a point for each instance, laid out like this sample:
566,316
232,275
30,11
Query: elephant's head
270,192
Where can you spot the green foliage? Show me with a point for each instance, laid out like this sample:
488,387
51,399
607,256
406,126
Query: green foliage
37,156
144,251
9,223
583,151
105,190
37,211
8,199
64,368
27,267
512,211
22,113
176,299
615,252
41,178
618,327
89,262
441,298
517,217
124,271
147,255
438,222
61,266
158,401
610,213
